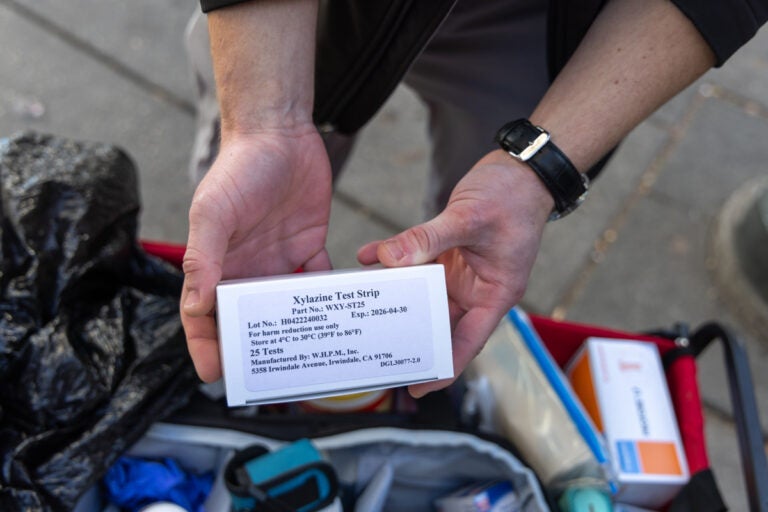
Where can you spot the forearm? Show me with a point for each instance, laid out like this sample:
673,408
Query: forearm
263,53
636,56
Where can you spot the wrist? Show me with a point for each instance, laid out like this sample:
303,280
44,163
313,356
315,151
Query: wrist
267,121
532,146
523,179
263,55
234,136
277,106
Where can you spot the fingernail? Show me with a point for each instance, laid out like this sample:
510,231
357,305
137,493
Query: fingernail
394,249
193,298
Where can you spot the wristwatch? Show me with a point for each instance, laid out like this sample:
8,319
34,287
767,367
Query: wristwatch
533,146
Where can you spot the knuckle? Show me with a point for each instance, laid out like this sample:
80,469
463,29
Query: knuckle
423,237
470,219
199,208
192,261
471,215
473,219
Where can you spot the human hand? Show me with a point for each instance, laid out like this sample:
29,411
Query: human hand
262,209
487,237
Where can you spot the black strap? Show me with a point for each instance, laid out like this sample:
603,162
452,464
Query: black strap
559,175
210,5
563,181
681,334
700,494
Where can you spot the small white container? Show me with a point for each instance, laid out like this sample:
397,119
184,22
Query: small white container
312,335
622,385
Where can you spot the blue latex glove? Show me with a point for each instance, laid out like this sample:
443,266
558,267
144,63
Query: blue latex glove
132,483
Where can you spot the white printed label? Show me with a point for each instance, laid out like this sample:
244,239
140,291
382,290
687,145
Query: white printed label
298,338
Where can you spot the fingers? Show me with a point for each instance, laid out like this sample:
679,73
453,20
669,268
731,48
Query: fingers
423,243
469,337
201,333
420,390
320,261
366,255
203,346
414,246
471,333
202,265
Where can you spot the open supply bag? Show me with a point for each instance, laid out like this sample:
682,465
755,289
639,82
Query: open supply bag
404,462
422,456
378,468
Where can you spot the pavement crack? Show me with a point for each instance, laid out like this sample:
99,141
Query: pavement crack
611,233
750,106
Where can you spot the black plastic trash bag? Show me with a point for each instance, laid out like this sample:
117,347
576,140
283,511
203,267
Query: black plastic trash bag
91,346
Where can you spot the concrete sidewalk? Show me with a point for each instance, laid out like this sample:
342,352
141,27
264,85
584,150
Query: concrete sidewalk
641,253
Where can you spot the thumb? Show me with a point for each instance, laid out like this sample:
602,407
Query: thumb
203,261
423,243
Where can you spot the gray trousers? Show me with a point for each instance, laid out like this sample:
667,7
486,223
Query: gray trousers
486,65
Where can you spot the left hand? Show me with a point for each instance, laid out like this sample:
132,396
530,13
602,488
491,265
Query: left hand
261,210
487,237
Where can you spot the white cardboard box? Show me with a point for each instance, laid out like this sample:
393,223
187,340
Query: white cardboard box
310,335
623,386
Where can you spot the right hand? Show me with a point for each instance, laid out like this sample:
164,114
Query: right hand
262,209
487,238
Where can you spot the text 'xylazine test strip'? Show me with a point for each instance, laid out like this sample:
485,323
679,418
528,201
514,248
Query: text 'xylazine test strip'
311,335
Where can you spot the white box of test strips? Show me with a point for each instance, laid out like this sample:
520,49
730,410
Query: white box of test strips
622,385
311,335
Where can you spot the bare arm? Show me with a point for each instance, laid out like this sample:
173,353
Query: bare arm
637,55
263,55
263,207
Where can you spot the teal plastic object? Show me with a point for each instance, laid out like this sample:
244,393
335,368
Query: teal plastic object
585,500
276,463
294,478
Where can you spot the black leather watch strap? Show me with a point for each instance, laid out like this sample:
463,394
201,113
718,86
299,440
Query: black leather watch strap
531,145
558,174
